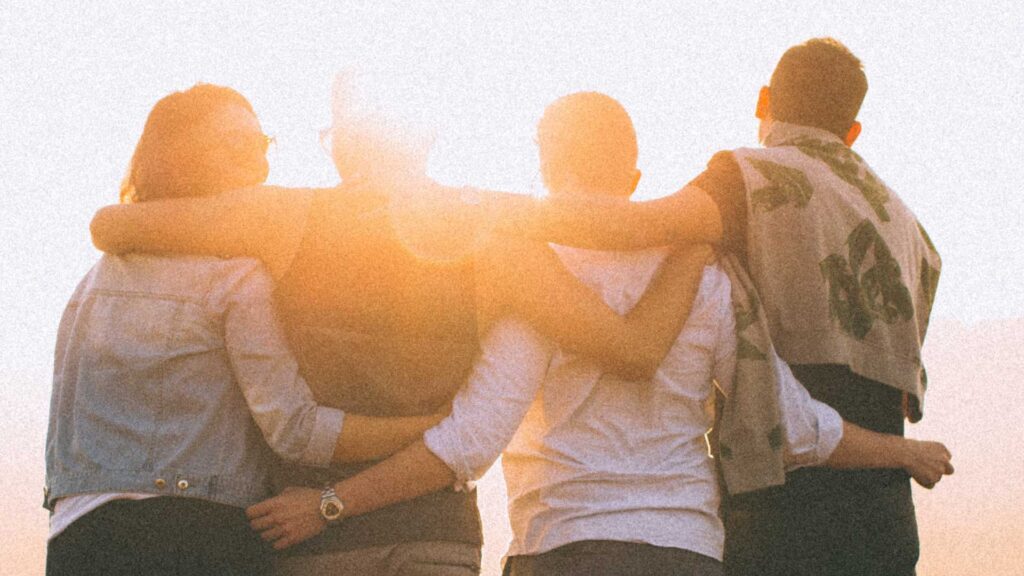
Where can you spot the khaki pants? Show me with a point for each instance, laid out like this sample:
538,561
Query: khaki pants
409,559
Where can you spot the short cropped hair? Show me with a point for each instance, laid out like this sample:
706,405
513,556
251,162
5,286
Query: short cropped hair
587,138
172,158
818,83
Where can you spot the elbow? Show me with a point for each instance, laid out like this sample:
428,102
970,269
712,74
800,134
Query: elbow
311,440
100,228
289,445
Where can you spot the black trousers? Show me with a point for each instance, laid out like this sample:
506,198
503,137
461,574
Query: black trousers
870,534
159,537
613,558
830,522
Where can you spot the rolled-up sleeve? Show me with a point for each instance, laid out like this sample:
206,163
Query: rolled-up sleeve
813,429
489,407
281,403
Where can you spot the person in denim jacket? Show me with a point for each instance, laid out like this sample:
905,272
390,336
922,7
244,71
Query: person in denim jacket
173,385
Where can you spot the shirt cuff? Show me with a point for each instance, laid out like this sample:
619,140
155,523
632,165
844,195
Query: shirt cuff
830,432
327,424
442,444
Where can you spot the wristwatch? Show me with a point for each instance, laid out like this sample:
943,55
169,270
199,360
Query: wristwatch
331,506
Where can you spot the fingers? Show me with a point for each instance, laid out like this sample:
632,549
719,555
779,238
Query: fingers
290,538
286,541
273,533
262,523
261,509
928,480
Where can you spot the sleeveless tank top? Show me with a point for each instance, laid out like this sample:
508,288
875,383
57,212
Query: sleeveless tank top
377,331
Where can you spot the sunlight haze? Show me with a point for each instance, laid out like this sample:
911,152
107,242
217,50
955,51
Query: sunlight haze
942,125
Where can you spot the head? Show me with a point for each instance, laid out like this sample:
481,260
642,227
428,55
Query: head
588,144
371,142
198,142
819,83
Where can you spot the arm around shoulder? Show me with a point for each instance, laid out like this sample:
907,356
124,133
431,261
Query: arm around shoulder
689,215
528,279
264,222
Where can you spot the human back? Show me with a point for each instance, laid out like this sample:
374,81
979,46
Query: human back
600,460
857,298
407,326
155,419
598,457
847,277
379,330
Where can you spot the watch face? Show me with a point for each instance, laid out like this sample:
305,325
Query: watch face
331,509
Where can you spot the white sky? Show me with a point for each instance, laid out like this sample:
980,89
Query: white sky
942,121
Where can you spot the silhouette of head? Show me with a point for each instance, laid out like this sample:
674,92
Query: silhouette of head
197,142
588,144
371,142
819,83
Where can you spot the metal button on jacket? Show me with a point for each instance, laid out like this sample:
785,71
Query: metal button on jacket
182,484
160,482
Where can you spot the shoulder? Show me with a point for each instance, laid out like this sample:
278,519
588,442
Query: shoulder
722,177
723,161
237,280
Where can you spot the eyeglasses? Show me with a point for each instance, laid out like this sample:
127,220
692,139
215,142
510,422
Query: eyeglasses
241,141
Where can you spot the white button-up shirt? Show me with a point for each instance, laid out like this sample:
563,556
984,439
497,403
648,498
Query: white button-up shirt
590,456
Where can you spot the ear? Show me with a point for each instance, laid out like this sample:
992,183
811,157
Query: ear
852,135
763,107
636,180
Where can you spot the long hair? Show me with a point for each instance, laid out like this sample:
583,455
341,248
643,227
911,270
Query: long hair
173,156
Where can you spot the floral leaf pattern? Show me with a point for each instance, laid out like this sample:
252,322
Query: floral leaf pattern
849,167
746,314
858,296
785,185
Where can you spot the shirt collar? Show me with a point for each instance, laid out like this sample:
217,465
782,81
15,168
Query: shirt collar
782,133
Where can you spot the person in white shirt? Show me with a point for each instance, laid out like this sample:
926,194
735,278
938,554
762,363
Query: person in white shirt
605,476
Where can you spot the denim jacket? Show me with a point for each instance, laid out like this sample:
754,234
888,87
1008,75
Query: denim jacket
172,377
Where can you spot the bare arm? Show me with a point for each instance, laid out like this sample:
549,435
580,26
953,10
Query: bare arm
607,223
926,461
265,223
528,280
485,415
816,435
294,515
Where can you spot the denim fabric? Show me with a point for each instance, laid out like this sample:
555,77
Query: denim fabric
171,377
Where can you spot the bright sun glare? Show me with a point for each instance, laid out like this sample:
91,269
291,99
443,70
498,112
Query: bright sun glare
79,78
